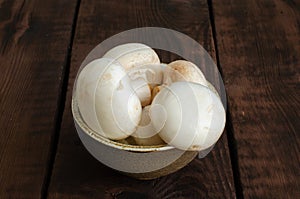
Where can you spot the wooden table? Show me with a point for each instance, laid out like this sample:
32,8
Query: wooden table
256,45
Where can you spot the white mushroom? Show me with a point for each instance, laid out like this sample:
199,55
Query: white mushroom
151,73
146,134
141,62
182,70
194,119
106,100
133,55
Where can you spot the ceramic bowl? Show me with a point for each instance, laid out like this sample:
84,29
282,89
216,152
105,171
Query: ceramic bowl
142,162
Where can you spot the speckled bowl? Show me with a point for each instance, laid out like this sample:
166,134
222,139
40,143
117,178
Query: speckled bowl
142,162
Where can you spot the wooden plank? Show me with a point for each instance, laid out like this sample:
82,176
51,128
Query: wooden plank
34,39
76,173
259,50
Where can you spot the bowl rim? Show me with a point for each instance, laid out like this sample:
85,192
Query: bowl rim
96,136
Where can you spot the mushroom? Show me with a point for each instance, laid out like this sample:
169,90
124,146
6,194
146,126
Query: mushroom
106,99
194,119
151,73
182,70
142,64
146,134
132,55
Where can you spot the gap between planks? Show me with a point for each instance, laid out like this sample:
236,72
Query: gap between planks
229,128
61,106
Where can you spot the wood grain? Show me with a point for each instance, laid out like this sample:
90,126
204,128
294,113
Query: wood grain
76,173
32,63
259,50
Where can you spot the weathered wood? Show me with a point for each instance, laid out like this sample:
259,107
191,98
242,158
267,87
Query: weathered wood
259,50
76,173
34,39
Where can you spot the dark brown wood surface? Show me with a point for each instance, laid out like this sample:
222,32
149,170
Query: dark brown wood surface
32,64
76,173
259,50
255,43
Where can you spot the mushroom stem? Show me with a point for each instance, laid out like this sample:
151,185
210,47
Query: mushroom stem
142,90
151,73
145,133
155,90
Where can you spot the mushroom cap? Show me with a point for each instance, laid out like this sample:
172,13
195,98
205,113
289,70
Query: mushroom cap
106,100
133,55
182,70
195,116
